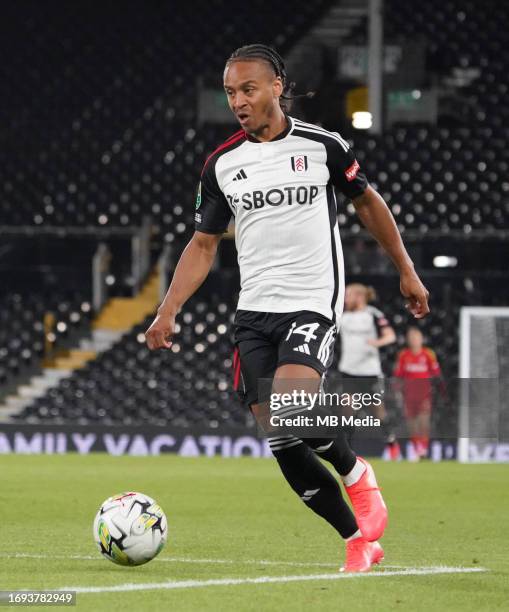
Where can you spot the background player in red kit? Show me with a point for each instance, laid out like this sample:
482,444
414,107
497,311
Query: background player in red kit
417,365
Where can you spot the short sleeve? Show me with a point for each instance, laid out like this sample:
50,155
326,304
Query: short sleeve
212,213
345,171
434,367
381,320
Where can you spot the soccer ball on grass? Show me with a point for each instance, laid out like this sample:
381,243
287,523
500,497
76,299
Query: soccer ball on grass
130,529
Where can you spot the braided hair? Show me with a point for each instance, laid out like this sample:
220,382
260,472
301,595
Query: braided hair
270,55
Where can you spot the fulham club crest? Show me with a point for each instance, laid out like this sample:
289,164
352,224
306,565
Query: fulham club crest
299,163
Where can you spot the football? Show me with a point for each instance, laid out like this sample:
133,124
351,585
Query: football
130,529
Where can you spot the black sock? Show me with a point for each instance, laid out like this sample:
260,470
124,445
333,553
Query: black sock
313,483
388,430
336,451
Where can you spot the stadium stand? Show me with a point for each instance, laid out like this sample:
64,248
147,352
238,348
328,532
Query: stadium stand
99,161
111,137
129,384
439,178
34,326
95,145
190,385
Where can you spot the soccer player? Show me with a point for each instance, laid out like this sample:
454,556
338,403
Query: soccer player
364,330
276,176
417,365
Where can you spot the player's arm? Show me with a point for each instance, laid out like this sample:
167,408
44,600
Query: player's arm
378,220
434,371
192,269
387,336
433,365
346,175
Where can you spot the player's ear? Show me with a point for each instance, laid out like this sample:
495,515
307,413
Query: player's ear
277,87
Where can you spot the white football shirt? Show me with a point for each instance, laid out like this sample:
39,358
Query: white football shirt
281,194
358,358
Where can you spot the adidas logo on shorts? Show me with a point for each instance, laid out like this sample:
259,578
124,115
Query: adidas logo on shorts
303,348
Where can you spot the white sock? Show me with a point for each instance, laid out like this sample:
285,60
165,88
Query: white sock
354,474
356,535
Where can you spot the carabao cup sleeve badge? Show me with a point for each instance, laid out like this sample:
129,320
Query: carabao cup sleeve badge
198,197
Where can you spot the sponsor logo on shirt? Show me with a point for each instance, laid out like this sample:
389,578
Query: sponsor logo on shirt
416,367
351,172
299,163
253,200
197,217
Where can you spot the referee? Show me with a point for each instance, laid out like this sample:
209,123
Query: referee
277,176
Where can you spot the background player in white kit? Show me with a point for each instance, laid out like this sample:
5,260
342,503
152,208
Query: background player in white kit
277,177
364,330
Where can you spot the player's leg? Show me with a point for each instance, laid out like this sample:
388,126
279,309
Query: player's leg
316,335
392,448
372,385
423,426
360,484
307,476
411,415
312,481
256,358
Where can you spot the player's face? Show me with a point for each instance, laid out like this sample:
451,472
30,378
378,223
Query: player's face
354,298
253,93
350,298
414,339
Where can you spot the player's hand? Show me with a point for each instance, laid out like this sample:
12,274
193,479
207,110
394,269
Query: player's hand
416,294
159,334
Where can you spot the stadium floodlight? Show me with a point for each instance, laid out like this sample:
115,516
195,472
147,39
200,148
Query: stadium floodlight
362,120
445,261
484,388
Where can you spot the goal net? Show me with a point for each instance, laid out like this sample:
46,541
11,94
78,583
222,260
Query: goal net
484,384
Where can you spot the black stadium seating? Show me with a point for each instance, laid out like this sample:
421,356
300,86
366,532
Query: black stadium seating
440,178
124,142
100,128
24,338
130,384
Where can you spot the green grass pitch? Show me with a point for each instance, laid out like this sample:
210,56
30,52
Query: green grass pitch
237,519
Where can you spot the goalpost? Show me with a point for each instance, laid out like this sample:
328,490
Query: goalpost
484,390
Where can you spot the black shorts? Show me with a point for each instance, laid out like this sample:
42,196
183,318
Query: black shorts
265,340
362,384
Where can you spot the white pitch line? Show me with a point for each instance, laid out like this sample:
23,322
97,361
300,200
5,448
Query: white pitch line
191,584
